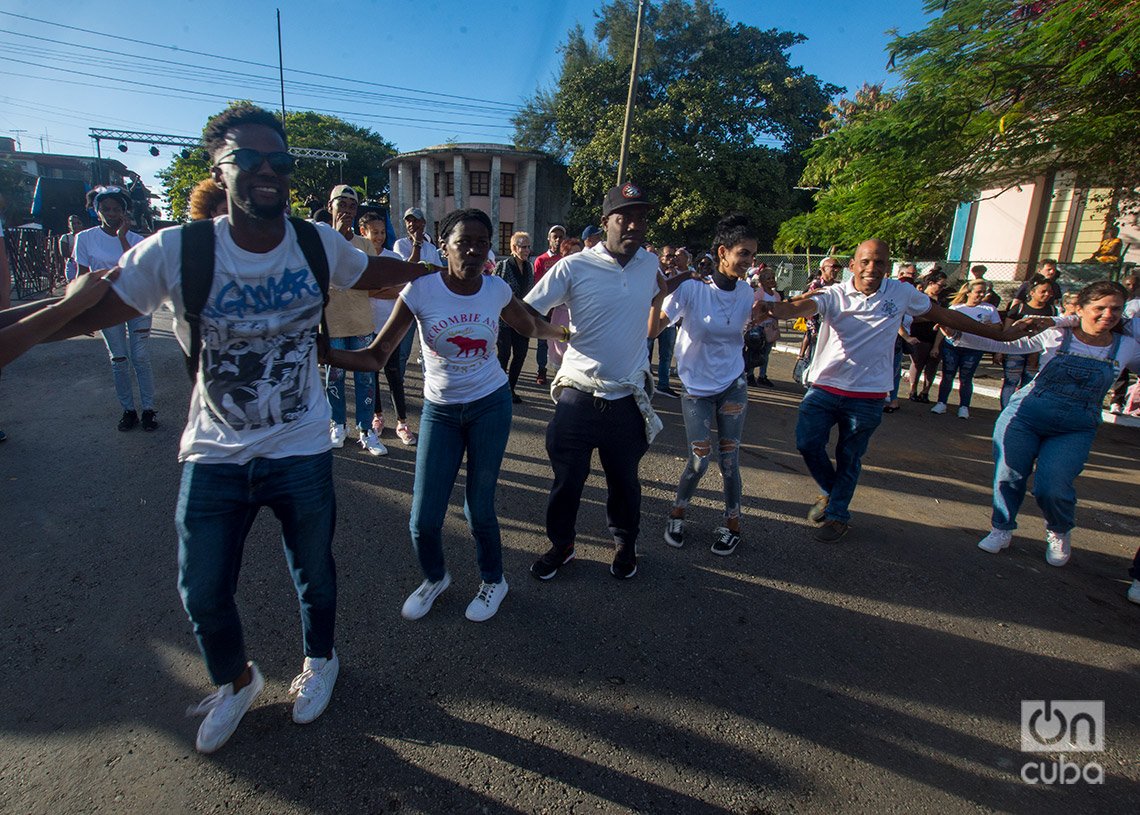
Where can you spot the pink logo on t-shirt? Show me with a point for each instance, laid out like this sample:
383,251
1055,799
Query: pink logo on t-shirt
468,346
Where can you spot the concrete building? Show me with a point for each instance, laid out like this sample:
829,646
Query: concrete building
521,190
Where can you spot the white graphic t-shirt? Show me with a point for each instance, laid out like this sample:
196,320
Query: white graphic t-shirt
97,250
258,393
458,334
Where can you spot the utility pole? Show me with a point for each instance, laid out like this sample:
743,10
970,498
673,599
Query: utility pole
18,132
281,70
631,98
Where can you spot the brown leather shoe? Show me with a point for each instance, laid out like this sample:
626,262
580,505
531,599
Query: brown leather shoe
831,531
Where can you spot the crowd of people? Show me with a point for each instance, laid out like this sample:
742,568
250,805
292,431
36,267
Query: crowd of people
263,419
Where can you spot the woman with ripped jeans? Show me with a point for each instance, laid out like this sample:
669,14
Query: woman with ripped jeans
711,367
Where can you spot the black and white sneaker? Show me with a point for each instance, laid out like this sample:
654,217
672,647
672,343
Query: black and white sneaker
675,532
548,565
623,569
726,541
128,421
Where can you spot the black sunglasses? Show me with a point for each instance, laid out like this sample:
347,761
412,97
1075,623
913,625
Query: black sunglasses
249,160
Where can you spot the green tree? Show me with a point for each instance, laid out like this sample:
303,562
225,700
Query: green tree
366,150
721,119
991,93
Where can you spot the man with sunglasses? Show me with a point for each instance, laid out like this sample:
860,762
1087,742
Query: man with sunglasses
257,433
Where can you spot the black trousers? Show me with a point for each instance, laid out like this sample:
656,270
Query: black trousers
616,429
512,347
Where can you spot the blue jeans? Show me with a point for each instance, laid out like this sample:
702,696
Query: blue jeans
665,342
131,353
480,429
364,383
541,355
961,362
728,408
1016,375
898,372
217,504
857,420
406,350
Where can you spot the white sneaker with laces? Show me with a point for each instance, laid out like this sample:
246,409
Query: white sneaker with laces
939,408
1134,592
373,445
675,532
405,434
313,687
487,601
963,412
997,540
1057,548
419,601
223,710
337,434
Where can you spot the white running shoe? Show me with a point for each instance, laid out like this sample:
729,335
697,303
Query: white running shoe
487,601
1134,592
405,434
963,412
313,687
1057,548
337,434
373,445
223,710
419,601
997,540
939,408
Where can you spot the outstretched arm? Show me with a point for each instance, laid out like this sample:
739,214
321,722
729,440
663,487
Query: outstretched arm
960,322
525,320
35,327
375,356
784,310
383,273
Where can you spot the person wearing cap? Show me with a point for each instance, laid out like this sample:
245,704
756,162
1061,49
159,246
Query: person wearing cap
542,264
603,388
592,236
127,343
349,316
417,246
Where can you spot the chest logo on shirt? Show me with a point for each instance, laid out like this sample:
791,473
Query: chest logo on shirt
468,346
889,308
464,341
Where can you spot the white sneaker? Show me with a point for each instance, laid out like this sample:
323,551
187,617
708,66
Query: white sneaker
419,601
487,601
373,445
223,709
675,532
963,412
939,408
1115,408
313,687
1134,592
997,540
405,434
1057,548
337,434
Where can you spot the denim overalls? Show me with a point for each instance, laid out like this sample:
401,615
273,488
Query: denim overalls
1052,420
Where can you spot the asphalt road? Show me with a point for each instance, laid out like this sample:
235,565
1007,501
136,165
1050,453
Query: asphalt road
883,674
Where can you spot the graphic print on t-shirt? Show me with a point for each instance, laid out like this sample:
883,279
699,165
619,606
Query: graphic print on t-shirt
463,341
256,342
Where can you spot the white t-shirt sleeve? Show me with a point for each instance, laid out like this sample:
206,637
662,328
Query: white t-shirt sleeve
677,303
346,262
826,302
148,276
81,251
918,303
552,290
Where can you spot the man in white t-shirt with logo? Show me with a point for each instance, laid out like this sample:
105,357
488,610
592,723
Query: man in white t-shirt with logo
257,433
850,373
603,385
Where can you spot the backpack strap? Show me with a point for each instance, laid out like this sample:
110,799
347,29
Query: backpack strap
314,252
197,278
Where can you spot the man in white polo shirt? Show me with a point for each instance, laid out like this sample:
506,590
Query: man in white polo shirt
850,374
603,386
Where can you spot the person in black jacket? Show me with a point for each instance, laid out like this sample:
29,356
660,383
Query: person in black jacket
517,270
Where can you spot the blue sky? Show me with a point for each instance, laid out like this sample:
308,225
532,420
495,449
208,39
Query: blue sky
453,69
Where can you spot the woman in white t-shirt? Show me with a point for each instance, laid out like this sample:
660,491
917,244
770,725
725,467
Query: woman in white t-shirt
711,367
467,402
962,361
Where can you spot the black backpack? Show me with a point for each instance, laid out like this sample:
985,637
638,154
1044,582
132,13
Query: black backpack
198,276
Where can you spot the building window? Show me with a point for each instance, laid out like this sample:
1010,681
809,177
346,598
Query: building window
450,183
507,185
506,229
437,185
480,182
416,188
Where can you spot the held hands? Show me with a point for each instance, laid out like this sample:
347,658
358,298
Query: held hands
88,289
1027,327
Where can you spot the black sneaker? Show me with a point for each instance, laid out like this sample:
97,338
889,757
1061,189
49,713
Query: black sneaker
726,541
129,420
623,569
148,420
751,379
766,382
831,531
3,435
516,399
675,532
547,566
669,392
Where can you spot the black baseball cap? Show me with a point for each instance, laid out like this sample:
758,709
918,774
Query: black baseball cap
629,194
591,231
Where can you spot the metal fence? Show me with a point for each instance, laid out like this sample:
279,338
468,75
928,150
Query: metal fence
36,267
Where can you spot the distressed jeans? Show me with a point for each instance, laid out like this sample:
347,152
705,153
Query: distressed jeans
728,408
127,344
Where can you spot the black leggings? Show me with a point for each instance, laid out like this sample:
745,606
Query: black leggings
395,386
512,347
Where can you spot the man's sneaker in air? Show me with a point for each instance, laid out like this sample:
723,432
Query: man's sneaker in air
370,443
313,687
223,710
1057,548
548,565
623,569
128,421
337,434
831,531
726,541
669,392
939,408
675,532
815,514
419,601
487,601
963,412
997,540
148,421
1134,592
405,434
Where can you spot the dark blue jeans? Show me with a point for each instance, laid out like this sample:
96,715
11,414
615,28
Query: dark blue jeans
480,429
961,362
857,419
217,504
665,342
